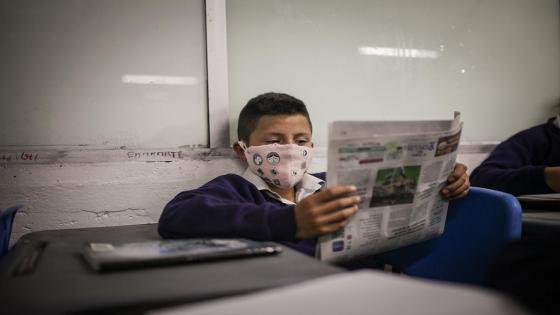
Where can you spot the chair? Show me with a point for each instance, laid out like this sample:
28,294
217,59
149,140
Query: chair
6,220
478,226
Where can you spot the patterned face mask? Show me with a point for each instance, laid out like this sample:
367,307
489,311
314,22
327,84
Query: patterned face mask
280,165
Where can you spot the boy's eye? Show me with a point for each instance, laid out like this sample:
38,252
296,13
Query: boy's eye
272,141
302,141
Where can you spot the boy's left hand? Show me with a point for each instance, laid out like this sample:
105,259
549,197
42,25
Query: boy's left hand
458,183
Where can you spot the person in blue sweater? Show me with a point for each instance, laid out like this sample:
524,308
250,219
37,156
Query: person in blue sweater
275,199
526,163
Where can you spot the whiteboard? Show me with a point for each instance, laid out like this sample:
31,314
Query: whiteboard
495,61
88,72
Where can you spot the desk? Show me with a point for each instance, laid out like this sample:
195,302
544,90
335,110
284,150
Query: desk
63,283
541,215
540,223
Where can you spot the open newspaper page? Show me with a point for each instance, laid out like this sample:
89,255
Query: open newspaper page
399,167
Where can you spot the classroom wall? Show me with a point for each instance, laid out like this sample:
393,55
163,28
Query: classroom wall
87,186
92,188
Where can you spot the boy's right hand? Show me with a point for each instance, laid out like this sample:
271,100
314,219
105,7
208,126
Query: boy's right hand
325,212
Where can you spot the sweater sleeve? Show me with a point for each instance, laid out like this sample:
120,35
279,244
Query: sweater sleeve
228,206
515,166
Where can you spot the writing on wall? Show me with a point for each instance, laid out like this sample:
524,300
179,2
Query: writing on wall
19,156
154,155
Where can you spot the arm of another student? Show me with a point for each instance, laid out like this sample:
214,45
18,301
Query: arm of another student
552,177
227,207
511,168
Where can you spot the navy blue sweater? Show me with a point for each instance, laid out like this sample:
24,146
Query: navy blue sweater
517,165
230,206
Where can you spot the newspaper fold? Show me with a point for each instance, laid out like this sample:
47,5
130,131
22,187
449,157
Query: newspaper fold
399,167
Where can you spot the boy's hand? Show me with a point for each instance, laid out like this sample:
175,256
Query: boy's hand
552,177
325,212
458,183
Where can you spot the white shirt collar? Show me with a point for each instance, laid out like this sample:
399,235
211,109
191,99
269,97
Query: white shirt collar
308,185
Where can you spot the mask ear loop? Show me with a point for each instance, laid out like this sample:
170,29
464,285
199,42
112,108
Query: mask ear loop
242,145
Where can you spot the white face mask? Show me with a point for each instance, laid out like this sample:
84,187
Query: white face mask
280,165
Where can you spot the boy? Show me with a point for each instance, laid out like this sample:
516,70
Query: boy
275,199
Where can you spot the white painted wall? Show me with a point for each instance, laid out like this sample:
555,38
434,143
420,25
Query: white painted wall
92,188
100,187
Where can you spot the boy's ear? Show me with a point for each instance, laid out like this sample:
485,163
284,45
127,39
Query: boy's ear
239,152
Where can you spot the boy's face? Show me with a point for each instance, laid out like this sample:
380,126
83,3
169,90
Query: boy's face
281,129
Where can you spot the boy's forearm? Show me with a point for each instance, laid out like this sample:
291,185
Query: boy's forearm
197,217
519,181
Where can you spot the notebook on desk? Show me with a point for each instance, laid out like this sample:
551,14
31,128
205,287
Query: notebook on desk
108,256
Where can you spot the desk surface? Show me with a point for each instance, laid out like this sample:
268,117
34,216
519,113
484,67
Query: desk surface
539,223
533,215
62,283
541,215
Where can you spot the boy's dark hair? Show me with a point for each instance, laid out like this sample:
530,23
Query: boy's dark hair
268,104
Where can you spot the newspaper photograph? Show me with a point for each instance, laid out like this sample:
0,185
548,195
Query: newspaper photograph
398,167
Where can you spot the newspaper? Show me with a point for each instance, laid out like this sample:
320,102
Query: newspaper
398,167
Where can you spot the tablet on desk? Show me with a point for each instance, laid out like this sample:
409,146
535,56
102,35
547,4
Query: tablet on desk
108,256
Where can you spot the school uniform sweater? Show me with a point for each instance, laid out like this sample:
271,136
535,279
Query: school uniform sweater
231,206
516,166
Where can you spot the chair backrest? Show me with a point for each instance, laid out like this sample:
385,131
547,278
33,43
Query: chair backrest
6,219
477,228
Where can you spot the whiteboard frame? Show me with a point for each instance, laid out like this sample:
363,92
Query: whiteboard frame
217,63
